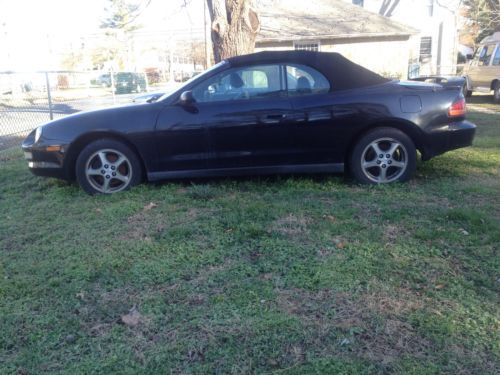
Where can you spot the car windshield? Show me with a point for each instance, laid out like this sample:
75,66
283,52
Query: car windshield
123,76
194,78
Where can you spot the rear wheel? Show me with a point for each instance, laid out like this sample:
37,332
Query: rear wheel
107,166
382,156
496,92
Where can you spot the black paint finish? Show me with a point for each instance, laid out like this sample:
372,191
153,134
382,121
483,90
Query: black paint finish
285,133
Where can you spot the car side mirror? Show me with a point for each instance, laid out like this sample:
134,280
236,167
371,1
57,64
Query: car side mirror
187,99
468,56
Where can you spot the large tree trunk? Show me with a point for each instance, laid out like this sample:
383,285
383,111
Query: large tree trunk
235,25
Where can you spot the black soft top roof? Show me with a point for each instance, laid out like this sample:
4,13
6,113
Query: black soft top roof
342,73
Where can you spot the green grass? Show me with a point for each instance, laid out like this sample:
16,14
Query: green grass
286,275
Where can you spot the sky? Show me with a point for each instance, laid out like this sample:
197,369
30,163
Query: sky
34,32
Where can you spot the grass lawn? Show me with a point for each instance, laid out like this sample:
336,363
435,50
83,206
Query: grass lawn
287,275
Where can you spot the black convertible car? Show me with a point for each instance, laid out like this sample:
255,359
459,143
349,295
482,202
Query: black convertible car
264,113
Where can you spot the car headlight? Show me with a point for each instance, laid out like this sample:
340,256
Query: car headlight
38,134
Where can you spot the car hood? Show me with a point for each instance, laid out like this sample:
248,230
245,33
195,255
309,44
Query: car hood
122,119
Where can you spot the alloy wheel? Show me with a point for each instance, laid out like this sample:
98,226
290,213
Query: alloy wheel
384,160
108,171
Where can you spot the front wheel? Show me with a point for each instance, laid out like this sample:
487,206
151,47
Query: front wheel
107,166
382,156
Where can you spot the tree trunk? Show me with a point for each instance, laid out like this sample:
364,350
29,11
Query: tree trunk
235,25
388,7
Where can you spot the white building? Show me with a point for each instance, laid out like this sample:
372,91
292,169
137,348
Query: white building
436,46
378,43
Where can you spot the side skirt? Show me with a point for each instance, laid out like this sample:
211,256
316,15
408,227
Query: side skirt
221,172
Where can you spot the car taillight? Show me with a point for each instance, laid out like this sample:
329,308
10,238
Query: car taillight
458,108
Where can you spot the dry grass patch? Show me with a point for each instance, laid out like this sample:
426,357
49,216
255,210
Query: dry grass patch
100,311
141,225
148,222
394,232
402,302
373,325
291,225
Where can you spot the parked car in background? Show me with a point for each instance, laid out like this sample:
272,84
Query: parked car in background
482,73
265,113
127,82
182,76
104,80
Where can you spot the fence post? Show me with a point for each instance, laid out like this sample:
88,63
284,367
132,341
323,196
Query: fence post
49,97
111,74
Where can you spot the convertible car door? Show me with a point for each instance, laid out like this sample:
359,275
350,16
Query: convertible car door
181,140
247,113
320,121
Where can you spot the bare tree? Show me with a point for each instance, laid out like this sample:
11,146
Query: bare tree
235,25
388,7
483,18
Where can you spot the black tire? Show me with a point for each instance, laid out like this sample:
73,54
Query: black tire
467,93
120,170
396,160
496,93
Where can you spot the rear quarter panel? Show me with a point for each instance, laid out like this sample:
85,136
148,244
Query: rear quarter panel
338,119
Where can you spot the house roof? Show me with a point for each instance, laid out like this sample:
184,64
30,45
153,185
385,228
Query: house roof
493,38
284,20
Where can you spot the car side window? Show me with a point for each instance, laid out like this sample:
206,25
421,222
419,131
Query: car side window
258,81
304,80
485,55
496,59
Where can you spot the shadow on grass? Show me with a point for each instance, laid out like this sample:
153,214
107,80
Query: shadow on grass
480,99
455,166
263,179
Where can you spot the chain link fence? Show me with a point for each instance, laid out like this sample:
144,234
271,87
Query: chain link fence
28,100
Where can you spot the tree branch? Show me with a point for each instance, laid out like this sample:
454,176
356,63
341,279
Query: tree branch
391,9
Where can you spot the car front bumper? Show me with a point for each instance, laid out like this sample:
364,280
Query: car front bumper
449,137
45,158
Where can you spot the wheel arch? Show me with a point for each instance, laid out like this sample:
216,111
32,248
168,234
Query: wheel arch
405,126
82,141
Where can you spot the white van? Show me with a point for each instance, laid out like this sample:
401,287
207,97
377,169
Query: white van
482,74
